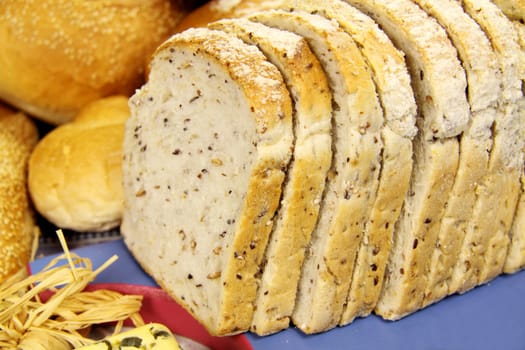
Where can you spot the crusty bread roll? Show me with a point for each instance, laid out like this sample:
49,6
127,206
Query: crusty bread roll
18,135
58,55
75,170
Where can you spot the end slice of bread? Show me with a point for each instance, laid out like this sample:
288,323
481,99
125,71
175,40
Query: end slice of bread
205,153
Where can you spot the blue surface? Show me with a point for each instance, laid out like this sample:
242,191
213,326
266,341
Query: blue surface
486,318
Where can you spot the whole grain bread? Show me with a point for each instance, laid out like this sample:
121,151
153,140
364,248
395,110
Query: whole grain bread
443,112
205,154
486,241
483,78
306,176
466,97
352,184
392,82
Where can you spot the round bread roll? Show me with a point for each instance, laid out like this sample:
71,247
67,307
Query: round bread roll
75,170
18,135
58,55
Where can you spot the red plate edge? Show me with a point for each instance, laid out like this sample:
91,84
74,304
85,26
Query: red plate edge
158,306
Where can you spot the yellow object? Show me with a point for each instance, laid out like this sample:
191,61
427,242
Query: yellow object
153,336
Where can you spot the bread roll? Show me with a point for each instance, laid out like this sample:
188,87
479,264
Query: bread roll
18,135
58,55
75,177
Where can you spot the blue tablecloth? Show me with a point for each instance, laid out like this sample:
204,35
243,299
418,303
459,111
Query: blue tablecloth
487,318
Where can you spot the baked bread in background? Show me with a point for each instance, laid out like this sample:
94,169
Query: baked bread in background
75,170
58,55
18,136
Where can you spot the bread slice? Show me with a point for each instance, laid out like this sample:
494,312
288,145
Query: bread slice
486,242
397,100
401,19
439,85
307,172
353,181
205,153
386,62
516,254
483,78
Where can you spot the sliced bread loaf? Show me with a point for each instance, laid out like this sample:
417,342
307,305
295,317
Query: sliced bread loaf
486,242
483,78
205,153
307,172
439,86
353,179
390,75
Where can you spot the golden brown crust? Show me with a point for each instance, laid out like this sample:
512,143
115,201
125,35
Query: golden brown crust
75,170
239,277
233,283
58,55
372,257
18,135
306,177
